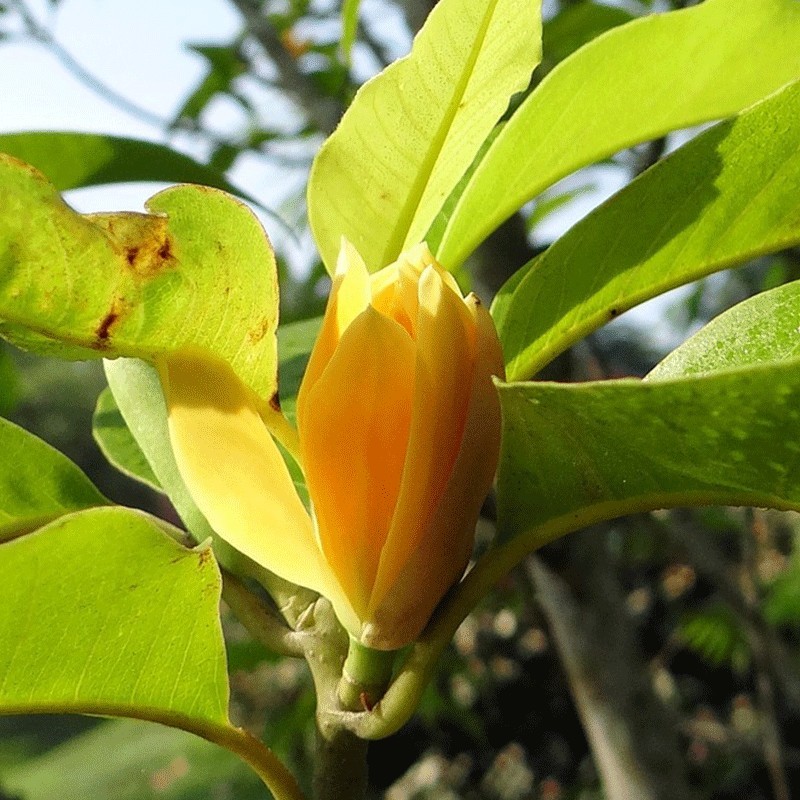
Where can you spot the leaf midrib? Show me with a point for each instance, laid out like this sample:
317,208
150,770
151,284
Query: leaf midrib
417,189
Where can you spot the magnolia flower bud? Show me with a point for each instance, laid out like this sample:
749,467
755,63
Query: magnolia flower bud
399,427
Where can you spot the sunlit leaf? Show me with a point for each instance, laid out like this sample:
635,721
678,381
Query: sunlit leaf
101,612
727,196
764,328
37,483
635,83
576,454
197,271
412,132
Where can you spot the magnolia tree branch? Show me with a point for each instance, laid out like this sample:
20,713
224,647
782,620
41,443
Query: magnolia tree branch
633,737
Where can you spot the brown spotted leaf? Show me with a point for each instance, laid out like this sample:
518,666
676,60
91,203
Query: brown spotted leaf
196,271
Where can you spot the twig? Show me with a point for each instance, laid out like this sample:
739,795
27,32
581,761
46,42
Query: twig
262,625
45,37
323,111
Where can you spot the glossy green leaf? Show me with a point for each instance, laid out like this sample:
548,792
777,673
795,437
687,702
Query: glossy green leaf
101,612
636,82
75,160
37,483
576,454
150,761
117,444
764,328
727,196
198,271
412,132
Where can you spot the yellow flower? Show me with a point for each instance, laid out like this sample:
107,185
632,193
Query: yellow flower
399,429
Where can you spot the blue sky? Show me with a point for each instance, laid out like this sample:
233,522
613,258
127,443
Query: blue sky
138,48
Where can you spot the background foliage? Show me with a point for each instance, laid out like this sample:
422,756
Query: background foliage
693,615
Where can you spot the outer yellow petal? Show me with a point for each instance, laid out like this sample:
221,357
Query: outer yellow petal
350,295
443,374
353,438
440,559
234,471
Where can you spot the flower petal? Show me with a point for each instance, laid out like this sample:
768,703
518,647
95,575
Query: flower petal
350,295
439,561
353,438
443,375
234,470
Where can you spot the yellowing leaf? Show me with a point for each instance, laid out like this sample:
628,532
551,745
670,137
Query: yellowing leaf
197,271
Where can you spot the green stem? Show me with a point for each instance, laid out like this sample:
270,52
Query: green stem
365,676
263,625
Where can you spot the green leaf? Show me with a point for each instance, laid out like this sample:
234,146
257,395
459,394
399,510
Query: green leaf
761,329
103,613
349,26
9,382
117,444
75,160
37,483
225,64
782,603
150,761
635,83
198,271
295,342
727,196
576,454
576,25
412,132
717,635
